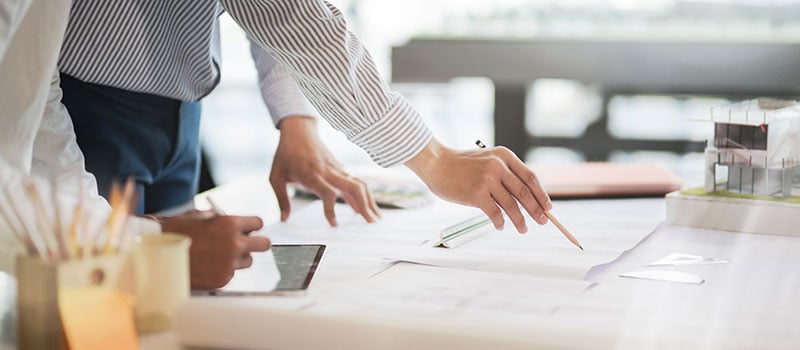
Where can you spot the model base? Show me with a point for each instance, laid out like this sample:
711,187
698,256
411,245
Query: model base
733,214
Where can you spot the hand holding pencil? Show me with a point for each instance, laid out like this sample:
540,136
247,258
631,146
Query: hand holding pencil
221,244
493,180
550,216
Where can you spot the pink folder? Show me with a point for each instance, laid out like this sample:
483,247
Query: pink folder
602,179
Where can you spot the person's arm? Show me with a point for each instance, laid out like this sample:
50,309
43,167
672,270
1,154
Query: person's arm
279,91
11,14
301,156
220,244
56,154
310,38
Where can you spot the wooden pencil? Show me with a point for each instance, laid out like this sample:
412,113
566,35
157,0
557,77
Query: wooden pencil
563,229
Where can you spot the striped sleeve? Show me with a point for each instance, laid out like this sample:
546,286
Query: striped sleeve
310,39
280,92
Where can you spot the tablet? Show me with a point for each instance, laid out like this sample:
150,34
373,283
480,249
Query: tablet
296,263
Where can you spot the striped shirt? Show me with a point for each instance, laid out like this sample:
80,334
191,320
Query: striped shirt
168,48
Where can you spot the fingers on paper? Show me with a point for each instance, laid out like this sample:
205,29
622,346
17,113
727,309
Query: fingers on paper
372,206
356,194
279,187
371,200
327,193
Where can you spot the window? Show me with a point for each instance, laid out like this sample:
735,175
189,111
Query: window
721,135
760,137
740,136
734,136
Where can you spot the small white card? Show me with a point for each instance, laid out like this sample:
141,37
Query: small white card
668,276
681,259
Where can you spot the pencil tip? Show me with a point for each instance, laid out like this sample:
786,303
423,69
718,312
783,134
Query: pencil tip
581,248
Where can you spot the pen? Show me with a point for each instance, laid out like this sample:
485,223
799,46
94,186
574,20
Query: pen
216,209
552,218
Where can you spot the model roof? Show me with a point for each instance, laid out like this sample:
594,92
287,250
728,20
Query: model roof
760,111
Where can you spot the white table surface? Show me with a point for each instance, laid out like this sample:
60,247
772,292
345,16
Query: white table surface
748,304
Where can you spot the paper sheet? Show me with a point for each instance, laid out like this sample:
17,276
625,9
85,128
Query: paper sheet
405,227
429,307
502,277
453,295
605,229
356,249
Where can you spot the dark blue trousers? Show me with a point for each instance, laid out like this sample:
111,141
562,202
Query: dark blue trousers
152,138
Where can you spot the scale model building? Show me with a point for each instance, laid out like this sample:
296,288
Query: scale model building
757,144
752,171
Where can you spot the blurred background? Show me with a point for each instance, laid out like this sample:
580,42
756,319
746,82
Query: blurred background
239,137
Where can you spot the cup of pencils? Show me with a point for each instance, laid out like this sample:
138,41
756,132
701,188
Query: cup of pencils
75,281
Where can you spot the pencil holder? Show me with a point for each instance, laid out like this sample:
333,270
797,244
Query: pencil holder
52,296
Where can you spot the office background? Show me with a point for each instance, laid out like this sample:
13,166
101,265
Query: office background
239,137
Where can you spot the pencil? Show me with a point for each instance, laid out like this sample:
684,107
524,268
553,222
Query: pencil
214,207
33,237
120,211
131,199
552,218
74,226
12,222
48,237
563,229
58,230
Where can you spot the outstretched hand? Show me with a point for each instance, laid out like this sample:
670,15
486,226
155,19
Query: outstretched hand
302,158
494,180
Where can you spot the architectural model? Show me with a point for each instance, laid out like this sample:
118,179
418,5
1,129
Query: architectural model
752,171
757,142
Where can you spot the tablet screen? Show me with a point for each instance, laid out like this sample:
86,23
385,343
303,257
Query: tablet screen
295,262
